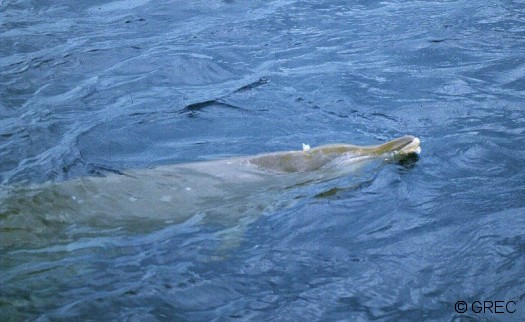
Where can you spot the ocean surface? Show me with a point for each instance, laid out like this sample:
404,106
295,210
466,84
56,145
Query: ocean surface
94,88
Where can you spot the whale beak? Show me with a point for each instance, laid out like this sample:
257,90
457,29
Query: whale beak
413,146
401,146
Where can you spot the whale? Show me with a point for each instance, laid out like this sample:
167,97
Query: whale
229,193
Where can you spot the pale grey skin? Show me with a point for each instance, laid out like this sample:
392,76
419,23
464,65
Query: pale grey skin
229,193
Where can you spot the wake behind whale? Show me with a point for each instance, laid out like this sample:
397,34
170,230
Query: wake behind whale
229,193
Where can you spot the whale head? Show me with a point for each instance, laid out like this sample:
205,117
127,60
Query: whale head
399,147
325,155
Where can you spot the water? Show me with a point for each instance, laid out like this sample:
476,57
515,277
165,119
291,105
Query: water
94,88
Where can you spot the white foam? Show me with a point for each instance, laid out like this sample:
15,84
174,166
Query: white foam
306,147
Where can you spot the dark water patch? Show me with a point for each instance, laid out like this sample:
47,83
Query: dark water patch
437,41
135,20
103,170
261,81
192,110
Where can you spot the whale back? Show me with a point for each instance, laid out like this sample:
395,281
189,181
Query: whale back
319,157
301,161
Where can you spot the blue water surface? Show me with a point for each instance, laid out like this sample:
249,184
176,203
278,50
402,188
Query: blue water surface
92,88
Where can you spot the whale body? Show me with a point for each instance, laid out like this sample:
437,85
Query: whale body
227,193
